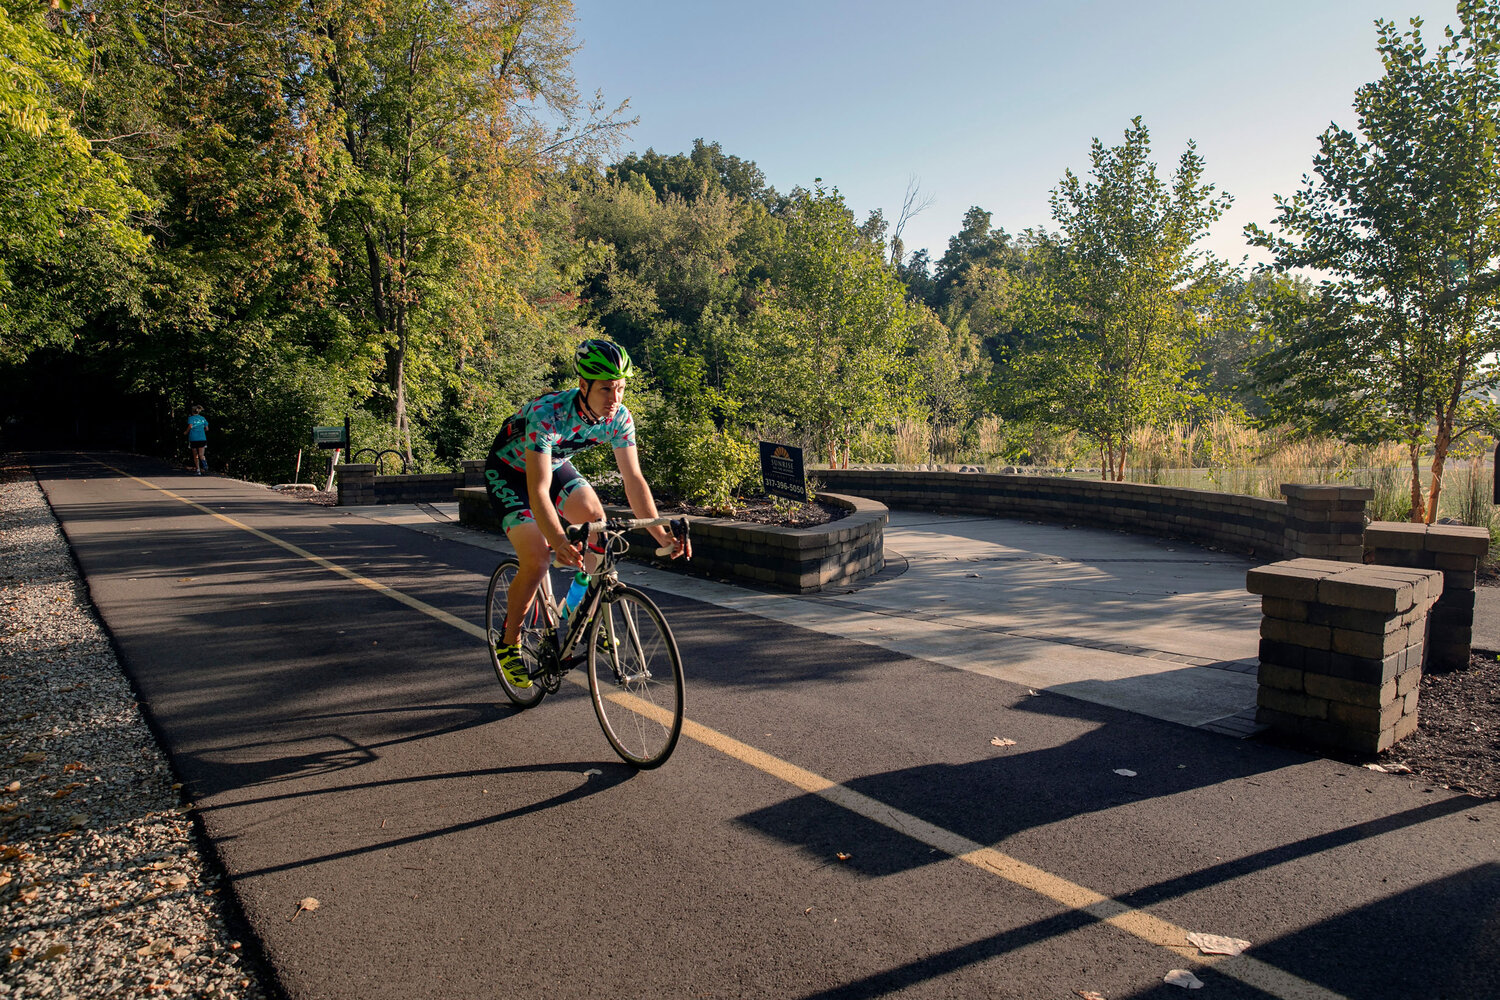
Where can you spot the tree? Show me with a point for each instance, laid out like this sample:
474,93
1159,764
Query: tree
1118,297
669,278
827,343
431,100
974,244
706,170
1402,224
913,204
68,225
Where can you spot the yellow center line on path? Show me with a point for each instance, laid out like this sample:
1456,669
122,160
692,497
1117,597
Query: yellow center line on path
1137,923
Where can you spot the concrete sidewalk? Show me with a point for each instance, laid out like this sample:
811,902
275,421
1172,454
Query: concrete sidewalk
1486,619
1154,626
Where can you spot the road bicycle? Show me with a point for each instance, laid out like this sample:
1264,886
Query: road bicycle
634,668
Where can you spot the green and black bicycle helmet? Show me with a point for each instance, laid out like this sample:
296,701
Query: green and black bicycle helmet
602,359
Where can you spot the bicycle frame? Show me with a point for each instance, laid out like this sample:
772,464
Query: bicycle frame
602,581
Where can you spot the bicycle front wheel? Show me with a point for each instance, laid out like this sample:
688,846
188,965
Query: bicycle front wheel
533,633
635,678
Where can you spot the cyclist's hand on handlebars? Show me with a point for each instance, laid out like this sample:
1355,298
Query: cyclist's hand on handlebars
567,553
681,544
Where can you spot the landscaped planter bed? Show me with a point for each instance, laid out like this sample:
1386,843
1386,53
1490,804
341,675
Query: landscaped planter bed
800,560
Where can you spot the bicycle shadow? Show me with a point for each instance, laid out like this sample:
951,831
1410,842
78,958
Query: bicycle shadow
600,776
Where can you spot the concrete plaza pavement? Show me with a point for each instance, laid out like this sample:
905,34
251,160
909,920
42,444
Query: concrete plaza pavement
1153,626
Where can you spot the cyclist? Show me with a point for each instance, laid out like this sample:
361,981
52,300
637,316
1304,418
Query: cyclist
531,482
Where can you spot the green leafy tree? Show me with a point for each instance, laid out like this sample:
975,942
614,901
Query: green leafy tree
230,309
69,226
704,171
827,345
435,103
671,276
1119,297
1402,226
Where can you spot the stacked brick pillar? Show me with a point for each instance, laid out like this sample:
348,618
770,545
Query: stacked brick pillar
1453,549
1341,649
1325,522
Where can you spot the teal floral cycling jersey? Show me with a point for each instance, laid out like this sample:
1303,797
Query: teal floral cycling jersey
553,426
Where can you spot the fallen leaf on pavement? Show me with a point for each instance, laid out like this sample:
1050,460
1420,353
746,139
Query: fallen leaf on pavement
1089,995
842,856
592,770
1125,772
17,953
14,786
158,947
1183,978
178,881
1217,944
56,951
309,904
1376,767
1000,742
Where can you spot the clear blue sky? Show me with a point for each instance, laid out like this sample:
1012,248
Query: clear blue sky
988,103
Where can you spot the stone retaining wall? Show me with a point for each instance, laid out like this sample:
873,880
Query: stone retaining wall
358,485
800,560
1341,649
1228,521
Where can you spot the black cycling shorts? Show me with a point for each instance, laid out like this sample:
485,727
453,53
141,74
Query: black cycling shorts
506,487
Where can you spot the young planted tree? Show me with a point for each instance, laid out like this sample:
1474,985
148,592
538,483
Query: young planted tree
1402,223
1117,298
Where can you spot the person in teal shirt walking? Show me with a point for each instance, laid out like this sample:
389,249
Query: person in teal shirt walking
197,435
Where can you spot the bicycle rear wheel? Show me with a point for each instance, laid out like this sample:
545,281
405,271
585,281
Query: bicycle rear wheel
635,678
533,633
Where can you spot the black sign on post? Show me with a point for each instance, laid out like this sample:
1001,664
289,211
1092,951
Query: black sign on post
781,471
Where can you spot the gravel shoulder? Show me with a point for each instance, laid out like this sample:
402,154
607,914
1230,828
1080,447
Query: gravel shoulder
105,890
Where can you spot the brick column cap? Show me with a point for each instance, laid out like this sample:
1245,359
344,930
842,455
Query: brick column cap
1463,539
1395,535
1389,589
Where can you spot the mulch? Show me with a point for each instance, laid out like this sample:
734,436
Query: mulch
1457,742
764,510
323,498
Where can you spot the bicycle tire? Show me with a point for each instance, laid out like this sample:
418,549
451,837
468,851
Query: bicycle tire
533,634
636,680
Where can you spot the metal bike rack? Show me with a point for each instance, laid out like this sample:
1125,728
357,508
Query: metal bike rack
390,451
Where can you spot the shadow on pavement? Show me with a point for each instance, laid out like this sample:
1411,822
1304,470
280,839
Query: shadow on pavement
609,775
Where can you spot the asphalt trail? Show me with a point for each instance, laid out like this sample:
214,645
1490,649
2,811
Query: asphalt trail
838,824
